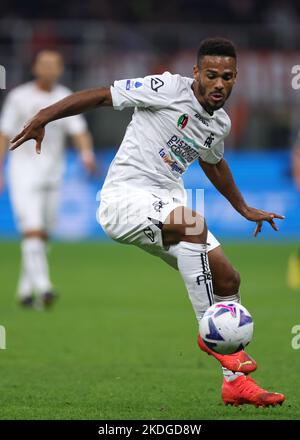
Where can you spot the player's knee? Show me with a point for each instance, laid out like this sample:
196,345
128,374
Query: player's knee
185,227
229,284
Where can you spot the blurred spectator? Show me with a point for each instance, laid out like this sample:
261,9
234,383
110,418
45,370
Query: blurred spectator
281,18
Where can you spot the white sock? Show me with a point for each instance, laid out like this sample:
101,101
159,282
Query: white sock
229,375
36,264
192,261
234,298
193,265
25,288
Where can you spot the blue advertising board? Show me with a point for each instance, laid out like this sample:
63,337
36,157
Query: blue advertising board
264,178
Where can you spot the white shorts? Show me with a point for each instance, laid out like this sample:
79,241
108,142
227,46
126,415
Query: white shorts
35,205
136,217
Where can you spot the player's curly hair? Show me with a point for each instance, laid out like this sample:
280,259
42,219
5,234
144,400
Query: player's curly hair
216,46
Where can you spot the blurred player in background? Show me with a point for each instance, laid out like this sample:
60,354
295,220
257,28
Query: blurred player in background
294,260
34,181
176,121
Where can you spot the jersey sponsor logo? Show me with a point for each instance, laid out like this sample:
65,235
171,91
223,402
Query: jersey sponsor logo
209,140
156,83
185,149
201,119
149,233
130,84
171,162
182,121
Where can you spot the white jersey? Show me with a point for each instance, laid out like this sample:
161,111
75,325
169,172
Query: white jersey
169,130
21,104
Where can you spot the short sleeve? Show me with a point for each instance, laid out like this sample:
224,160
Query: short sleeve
75,125
9,118
156,91
214,154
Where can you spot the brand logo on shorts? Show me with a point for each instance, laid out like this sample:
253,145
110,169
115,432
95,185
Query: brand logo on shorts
149,233
182,121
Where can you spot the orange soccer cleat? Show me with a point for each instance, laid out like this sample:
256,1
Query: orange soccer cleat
244,390
237,362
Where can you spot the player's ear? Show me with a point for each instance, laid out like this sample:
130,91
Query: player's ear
196,72
236,72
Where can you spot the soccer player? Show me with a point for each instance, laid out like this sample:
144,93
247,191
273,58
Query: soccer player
34,181
176,121
293,275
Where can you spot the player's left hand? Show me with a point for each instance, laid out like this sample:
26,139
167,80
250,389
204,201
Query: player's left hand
259,216
88,159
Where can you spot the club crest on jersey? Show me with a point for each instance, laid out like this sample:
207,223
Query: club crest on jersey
182,121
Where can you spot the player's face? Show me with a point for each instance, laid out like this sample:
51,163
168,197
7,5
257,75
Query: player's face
215,77
48,67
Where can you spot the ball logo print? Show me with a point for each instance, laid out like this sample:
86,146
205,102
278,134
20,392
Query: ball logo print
231,308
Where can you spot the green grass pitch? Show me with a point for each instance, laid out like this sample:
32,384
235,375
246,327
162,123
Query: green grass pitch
121,341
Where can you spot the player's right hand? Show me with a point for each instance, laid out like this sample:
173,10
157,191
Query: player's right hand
33,129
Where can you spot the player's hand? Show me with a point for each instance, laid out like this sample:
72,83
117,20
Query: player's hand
88,159
259,216
32,130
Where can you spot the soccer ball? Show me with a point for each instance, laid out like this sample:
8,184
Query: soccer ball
226,327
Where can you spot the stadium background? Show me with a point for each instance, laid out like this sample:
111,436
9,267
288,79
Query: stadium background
103,41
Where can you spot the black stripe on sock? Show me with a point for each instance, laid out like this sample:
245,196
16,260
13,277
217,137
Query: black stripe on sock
207,283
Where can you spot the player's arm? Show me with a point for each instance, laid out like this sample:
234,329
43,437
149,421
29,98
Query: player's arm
4,141
221,177
73,104
83,142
